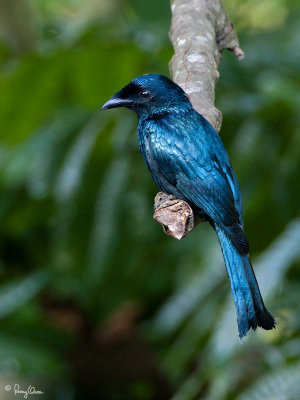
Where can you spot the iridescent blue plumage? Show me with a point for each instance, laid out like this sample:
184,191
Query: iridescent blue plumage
186,157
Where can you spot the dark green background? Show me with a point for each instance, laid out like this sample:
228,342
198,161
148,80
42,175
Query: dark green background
95,301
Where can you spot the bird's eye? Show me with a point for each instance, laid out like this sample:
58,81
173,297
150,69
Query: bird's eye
145,94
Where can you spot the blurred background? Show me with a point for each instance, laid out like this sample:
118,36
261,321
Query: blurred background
95,301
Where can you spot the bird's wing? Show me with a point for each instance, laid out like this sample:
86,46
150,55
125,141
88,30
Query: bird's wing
209,190
197,164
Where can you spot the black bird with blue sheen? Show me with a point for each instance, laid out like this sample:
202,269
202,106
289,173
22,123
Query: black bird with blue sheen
186,158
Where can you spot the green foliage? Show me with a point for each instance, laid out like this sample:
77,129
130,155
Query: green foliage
90,284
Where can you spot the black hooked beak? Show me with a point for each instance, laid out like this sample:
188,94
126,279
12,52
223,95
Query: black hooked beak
116,101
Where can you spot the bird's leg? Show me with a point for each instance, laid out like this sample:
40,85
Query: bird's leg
176,216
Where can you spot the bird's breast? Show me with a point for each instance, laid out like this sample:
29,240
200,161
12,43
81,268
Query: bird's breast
148,139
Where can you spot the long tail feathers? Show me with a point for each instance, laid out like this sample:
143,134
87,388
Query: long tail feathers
250,308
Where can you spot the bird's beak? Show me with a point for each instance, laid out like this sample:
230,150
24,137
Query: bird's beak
117,102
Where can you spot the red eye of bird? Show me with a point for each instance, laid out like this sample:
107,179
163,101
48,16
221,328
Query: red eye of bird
145,94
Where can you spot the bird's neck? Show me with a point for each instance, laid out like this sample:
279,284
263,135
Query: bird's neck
166,112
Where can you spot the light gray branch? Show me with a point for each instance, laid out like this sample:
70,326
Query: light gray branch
200,30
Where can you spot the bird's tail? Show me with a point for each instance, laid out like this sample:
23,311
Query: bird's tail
250,308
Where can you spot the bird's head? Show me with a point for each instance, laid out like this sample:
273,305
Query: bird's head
150,94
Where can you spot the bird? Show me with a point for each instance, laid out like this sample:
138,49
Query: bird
187,159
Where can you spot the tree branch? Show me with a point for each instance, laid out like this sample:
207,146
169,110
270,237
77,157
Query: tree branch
200,30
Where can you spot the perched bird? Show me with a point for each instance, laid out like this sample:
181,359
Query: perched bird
186,158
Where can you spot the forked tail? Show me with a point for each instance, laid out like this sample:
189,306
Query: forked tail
250,308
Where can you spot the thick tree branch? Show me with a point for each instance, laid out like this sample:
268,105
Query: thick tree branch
200,30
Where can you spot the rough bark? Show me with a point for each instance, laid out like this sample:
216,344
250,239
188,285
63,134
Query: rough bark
200,30
175,215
